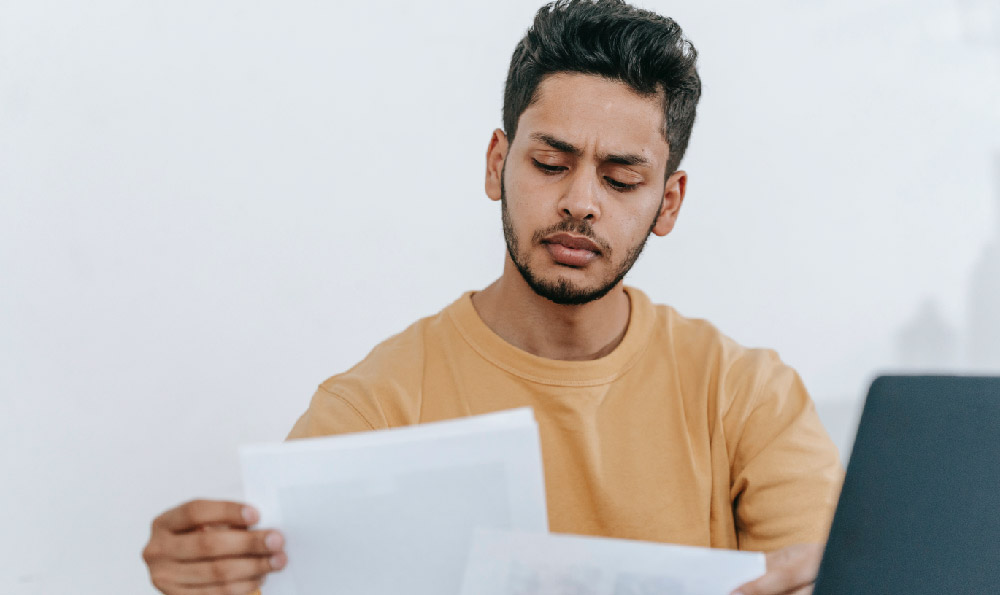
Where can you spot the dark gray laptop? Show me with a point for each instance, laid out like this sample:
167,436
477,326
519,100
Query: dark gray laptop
920,508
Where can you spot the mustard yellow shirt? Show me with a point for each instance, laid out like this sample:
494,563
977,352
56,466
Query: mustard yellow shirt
679,435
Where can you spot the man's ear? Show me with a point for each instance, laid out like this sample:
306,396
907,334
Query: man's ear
496,154
673,196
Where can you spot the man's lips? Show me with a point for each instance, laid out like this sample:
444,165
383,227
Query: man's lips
571,241
570,250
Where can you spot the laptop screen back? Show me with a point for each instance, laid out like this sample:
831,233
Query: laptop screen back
920,507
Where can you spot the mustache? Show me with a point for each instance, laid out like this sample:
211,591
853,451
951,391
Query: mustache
579,227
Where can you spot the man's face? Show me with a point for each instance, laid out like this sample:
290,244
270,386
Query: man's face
582,186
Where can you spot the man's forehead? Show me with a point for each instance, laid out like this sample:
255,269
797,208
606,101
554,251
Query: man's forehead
596,113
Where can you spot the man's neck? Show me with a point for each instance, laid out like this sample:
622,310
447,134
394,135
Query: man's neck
541,327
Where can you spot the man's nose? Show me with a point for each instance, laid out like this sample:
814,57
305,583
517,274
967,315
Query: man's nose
580,199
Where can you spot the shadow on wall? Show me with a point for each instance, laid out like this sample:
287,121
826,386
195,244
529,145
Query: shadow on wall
929,344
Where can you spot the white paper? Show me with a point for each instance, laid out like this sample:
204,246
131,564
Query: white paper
518,563
394,511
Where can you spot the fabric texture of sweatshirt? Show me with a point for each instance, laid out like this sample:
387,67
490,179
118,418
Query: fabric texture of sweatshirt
679,435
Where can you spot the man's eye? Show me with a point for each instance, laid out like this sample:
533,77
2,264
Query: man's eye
621,186
549,169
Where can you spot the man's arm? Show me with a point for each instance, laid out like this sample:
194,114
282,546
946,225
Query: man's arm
785,473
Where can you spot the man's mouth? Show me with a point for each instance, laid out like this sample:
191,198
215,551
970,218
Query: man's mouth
570,250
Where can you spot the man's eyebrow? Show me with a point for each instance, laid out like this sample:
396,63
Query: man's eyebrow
565,147
557,144
626,159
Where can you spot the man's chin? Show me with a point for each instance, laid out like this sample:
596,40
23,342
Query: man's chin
565,285
567,293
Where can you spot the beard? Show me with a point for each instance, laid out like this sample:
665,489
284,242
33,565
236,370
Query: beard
562,291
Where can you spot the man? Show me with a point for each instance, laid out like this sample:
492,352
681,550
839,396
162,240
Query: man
653,426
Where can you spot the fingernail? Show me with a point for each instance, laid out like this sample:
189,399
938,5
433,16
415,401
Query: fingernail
278,561
250,515
274,541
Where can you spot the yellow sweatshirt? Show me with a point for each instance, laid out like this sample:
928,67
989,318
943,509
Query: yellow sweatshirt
679,435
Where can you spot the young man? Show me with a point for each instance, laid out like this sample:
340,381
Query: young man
653,426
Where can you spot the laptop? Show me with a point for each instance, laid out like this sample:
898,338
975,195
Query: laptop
920,508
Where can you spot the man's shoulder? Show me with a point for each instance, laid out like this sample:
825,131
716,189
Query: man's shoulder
393,369
697,338
401,352
700,348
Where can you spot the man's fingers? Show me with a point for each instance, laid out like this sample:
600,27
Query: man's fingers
238,588
204,547
198,513
779,581
201,545
790,571
222,571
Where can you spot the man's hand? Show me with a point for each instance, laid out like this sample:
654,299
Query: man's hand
205,547
790,571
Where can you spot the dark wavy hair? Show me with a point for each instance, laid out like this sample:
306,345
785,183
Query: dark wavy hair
609,38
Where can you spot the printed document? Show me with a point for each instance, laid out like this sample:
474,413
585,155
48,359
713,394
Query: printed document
394,511
518,563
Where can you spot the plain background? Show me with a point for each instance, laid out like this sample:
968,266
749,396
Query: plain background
207,208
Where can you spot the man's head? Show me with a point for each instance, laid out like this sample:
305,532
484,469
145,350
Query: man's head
601,98
611,39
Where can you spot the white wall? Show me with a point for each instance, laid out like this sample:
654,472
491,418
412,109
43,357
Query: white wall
207,208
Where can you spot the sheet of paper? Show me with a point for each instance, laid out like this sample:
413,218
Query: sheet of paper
518,563
394,511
